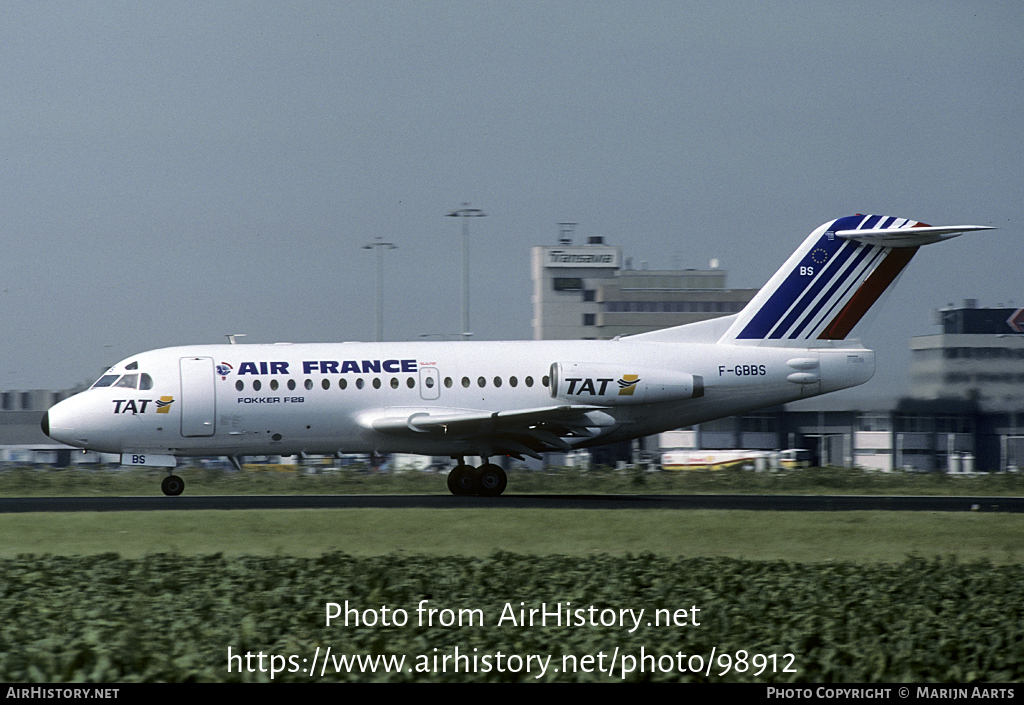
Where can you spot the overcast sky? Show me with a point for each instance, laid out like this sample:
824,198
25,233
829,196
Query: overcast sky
176,171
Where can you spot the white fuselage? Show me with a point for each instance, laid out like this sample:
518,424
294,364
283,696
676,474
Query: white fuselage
355,397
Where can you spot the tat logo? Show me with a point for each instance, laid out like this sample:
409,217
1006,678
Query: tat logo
627,385
139,406
597,387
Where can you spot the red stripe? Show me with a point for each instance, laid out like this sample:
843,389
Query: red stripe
876,283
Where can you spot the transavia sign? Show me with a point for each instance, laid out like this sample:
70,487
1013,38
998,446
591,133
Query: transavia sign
582,257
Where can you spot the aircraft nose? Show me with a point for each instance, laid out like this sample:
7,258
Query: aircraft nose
57,424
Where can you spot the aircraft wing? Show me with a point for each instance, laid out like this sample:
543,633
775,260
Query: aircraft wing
516,432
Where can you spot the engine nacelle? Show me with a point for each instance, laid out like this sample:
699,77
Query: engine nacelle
616,385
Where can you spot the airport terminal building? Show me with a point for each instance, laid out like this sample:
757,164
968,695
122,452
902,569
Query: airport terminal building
586,292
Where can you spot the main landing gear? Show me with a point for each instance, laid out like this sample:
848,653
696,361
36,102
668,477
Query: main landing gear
172,485
488,480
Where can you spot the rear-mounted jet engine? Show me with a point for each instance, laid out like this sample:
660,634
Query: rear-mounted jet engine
616,385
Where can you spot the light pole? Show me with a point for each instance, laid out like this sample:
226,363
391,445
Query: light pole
466,212
380,246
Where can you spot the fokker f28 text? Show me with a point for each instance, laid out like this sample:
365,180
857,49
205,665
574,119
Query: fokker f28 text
489,399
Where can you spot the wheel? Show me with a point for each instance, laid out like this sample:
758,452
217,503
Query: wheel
492,480
172,485
461,480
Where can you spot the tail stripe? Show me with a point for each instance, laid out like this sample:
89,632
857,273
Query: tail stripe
835,268
785,296
879,280
828,274
863,261
873,255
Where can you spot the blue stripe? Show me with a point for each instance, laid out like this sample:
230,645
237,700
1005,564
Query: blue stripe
877,256
833,266
850,222
870,222
864,250
762,322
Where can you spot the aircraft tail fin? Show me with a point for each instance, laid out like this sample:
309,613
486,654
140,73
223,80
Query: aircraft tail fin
833,279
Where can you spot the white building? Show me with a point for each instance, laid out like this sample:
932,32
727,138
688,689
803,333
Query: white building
583,292
978,356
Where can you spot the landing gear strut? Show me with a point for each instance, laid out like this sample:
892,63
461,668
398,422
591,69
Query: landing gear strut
172,485
488,480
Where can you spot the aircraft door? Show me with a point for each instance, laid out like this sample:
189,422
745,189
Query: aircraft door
198,401
430,383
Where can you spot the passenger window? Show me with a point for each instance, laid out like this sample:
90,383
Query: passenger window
529,381
481,382
309,384
326,384
513,382
239,385
497,381
376,382
359,383
342,383
273,384
465,381
291,385
410,383
257,385
394,383
128,382
447,382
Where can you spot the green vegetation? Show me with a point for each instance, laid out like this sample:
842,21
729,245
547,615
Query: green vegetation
809,537
22,482
173,618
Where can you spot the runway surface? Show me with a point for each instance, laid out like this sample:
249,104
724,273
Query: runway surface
798,503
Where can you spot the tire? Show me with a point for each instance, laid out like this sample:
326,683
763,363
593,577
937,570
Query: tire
172,486
461,480
491,480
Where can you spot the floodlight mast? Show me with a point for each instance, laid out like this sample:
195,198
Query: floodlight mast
465,213
379,245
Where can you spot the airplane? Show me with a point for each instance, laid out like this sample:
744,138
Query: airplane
488,399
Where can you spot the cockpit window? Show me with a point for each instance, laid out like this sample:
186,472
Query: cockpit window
132,366
128,381
106,380
145,381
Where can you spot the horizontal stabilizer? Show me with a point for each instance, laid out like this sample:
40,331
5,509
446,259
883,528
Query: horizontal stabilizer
908,237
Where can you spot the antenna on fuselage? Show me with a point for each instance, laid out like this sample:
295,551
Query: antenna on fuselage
231,337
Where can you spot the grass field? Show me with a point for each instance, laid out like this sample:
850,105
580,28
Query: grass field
794,536
45,482
864,537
